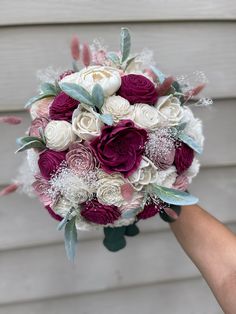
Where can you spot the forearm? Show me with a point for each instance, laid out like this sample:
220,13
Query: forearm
212,247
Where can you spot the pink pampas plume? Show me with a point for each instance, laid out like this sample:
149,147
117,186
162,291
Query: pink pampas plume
13,120
193,92
75,48
9,189
86,55
165,86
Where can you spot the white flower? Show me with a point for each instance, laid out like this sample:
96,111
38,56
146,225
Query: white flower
146,116
192,170
193,127
144,175
109,189
107,77
62,206
167,177
170,109
118,107
85,123
59,135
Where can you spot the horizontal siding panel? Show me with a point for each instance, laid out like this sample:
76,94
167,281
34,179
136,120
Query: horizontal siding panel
215,188
180,48
179,297
88,11
219,129
45,272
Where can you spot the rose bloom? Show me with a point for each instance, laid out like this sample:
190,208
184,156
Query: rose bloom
59,135
36,124
49,162
107,77
146,116
40,108
62,107
120,148
80,158
118,107
138,89
98,213
170,109
183,157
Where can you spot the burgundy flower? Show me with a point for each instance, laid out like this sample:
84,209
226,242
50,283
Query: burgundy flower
137,89
62,107
37,123
120,148
149,211
53,214
49,161
183,157
98,213
80,158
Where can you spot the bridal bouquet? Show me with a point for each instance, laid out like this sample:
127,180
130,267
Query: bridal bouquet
111,143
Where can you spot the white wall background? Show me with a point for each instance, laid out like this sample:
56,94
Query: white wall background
153,274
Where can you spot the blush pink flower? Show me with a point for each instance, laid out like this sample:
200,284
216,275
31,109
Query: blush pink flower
80,158
120,148
181,183
41,186
98,213
183,157
37,123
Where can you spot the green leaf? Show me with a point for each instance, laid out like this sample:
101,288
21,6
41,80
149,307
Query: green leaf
64,221
38,97
114,238
26,139
129,61
42,134
190,142
107,119
158,73
48,88
113,57
98,96
77,92
172,196
125,43
32,144
132,230
70,239
175,130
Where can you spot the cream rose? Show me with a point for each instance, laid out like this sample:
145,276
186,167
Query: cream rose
62,207
118,107
146,116
144,175
167,177
193,170
85,123
109,189
107,77
170,109
59,135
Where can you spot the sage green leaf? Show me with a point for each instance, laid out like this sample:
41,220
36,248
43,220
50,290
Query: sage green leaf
190,142
77,92
129,61
107,119
38,97
48,88
173,196
98,96
125,43
175,130
113,57
57,87
42,134
70,236
32,144
158,73
114,238
64,221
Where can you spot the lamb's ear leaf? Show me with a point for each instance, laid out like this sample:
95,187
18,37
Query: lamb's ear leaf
125,43
190,142
48,88
32,144
113,57
70,239
173,196
77,92
98,96
161,77
107,119
38,97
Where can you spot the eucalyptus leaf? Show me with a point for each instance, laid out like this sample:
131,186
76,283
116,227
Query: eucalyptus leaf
48,88
98,96
77,92
158,73
32,144
190,142
38,97
113,57
57,87
107,119
125,43
173,196
70,239
26,139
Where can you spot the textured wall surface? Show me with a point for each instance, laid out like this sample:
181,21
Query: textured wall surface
153,274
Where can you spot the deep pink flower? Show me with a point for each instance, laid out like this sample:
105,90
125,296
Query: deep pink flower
98,213
120,148
149,211
49,162
183,157
62,107
53,214
138,89
37,123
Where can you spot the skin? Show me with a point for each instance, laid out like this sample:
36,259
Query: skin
212,248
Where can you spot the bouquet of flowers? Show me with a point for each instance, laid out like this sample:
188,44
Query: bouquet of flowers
111,143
